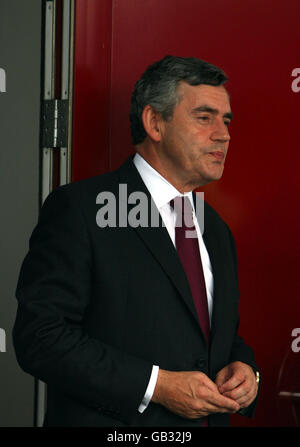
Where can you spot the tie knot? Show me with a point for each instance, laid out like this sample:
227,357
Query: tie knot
183,211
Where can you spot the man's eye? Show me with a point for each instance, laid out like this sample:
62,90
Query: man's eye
203,118
227,123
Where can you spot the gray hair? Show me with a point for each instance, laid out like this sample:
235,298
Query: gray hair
157,87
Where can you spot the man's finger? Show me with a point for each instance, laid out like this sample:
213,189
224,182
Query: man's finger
221,402
221,378
241,390
243,394
209,383
247,399
231,384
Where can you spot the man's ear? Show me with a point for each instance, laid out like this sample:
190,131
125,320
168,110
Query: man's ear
151,121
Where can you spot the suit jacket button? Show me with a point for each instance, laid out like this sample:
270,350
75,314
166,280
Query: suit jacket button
200,363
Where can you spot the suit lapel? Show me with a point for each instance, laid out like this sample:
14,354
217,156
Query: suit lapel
210,243
213,242
157,239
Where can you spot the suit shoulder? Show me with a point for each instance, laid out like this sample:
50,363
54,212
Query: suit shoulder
98,182
79,195
214,216
214,220
212,213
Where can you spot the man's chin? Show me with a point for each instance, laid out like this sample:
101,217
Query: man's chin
211,177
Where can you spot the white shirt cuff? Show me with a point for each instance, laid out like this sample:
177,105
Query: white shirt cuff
150,389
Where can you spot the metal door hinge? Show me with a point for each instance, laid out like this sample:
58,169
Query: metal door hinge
55,123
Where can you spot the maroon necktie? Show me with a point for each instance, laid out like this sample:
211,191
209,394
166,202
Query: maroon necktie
189,254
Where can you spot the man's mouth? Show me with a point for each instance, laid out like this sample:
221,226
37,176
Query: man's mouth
219,155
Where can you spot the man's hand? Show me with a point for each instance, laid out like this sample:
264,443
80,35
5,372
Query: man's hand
237,381
191,394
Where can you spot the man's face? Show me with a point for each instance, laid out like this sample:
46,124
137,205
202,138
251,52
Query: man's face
195,141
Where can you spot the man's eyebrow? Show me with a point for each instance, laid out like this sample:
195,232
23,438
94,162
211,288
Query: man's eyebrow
209,109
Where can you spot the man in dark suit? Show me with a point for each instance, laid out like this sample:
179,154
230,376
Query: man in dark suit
125,321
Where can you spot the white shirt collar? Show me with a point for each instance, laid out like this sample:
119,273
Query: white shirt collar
160,189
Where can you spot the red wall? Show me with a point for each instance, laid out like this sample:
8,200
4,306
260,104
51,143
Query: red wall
257,43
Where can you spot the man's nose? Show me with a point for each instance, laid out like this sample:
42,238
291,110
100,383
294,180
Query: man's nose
220,133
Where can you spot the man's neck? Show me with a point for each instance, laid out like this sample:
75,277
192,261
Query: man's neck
151,157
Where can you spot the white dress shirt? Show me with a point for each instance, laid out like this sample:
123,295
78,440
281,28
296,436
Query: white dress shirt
162,193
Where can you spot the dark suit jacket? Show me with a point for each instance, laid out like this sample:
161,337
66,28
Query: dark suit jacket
98,307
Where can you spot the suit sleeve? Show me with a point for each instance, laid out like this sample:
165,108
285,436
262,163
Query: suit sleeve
53,293
240,350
